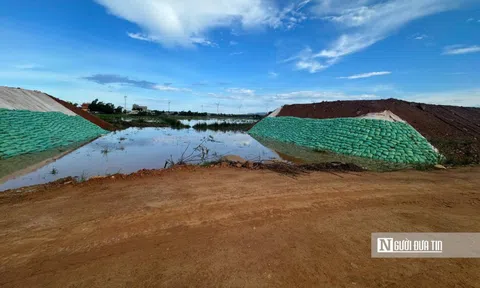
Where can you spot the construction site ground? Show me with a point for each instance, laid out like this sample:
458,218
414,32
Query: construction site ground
231,227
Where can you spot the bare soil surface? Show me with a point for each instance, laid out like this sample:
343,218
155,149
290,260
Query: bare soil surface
92,118
454,130
231,227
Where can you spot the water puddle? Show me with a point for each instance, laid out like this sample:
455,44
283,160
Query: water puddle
193,122
133,149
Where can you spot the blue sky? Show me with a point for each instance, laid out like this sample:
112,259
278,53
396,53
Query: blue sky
246,55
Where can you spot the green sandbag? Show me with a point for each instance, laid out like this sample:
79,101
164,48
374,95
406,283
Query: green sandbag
31,131
377,139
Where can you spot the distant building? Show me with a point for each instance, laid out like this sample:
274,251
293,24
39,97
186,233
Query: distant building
84,107
139,108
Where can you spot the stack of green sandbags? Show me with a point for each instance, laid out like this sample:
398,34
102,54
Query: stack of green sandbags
24,131
375,139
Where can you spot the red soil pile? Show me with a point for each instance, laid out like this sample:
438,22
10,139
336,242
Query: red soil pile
454,130
92,118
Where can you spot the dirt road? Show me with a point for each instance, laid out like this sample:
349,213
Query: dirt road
229,227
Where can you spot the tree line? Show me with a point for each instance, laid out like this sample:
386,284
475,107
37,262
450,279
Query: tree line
105,108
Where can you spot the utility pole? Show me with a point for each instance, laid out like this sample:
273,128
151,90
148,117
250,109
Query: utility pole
218,104
202,108
168,106
125,108
239,107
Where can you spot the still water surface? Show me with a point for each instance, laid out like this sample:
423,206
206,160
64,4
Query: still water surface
133,149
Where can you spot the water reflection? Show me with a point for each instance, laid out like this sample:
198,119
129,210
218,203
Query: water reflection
133,149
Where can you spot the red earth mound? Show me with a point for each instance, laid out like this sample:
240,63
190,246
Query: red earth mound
454,130
92,118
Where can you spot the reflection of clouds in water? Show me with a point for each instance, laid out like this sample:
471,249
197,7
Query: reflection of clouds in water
147,148
192,122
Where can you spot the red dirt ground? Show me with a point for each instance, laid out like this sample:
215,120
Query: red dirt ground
233,227
92,118
454,130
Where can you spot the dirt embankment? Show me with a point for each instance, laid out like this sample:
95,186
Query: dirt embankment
92,118
454,130
221,227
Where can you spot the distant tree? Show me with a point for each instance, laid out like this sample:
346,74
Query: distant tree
119,110
74,104
101,107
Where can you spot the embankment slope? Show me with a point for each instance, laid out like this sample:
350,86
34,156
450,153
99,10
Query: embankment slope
92,118
454,130
31,122
31,100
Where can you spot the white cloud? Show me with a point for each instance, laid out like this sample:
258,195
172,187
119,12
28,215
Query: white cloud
181,22
241,91
315,96
366,75
233,43
236,53
420,36
202,41
306,60
170,88
468,98
248,96
364,24
302,4
272,74
27,66
470,19
226,97
140,36
460,49
193,40
310,65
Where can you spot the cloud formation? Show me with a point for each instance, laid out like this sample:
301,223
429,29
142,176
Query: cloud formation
460,49
272,74
104,79
315,96
27,66
187,22
366,75
364,23
241,91
420,36
467,98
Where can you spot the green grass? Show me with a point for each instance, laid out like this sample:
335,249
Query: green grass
119,121
223,126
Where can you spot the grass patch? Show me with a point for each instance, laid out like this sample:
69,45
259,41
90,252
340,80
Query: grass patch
223,126
458,152
120,121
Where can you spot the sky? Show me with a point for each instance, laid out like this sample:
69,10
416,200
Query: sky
246,56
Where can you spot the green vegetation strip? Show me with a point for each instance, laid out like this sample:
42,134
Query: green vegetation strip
375,139
223,126
29,131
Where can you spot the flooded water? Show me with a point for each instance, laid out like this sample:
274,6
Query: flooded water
133,149
193,122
